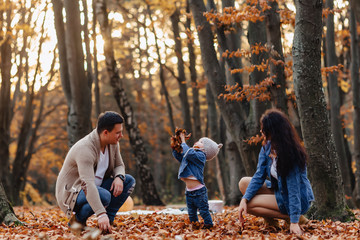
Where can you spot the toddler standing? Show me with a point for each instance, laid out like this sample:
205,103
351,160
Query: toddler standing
191,171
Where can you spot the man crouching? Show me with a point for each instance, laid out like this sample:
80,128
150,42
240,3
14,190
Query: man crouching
92,178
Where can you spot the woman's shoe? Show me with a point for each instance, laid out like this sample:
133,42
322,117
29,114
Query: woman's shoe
303,220
271,222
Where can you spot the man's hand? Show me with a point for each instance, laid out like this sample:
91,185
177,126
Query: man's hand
118,186
182,137
295,228
242,210
104,223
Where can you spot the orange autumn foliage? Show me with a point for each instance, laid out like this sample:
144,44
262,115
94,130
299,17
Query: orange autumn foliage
254,140
326,70
175,141
248,92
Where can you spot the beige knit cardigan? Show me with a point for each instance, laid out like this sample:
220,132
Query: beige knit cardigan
78,172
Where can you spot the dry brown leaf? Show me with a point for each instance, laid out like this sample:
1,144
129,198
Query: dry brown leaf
50,223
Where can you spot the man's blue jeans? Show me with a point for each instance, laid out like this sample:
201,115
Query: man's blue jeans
195,200
112,204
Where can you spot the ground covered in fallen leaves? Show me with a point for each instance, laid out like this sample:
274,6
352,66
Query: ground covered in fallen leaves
50,223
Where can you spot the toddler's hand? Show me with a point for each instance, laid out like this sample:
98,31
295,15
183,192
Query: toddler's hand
182,137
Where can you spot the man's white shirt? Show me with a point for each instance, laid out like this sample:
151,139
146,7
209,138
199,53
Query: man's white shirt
102,166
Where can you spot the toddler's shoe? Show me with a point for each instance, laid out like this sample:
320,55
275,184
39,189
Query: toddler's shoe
208,226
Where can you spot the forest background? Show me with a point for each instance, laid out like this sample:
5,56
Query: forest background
151,60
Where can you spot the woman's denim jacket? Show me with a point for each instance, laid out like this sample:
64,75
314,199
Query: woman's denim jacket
192,162
293,194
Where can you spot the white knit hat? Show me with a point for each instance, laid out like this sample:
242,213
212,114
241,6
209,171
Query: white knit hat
211,148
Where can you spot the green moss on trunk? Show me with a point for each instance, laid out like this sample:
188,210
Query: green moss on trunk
337,214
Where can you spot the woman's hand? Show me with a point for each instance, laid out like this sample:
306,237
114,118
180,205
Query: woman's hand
295,228
242,210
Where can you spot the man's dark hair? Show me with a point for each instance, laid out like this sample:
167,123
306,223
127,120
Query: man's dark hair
107,121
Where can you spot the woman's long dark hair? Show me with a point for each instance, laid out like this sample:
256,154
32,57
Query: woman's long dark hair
284,140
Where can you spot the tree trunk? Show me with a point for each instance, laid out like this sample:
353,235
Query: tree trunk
193,76
185,107
355,5
162,78
60,35
26,130
76,86
323,159
214,134
79,123
7,215
89,71
257,36
334,92
229,43
233,43
149,193
159,170
96,72
18,175
356,99
232,112
5,96
235,171
273,31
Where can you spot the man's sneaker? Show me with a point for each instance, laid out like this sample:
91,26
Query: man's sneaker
74,224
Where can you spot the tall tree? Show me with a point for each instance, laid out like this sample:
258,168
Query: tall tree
5,94
162,74
324,162
335,101
7,214
96,71
29,101
273,31
85,28
76,85
185,107
214,133
257,36
155,129
355,5
233,171
149,192
28,127
356,97
193,77
233,113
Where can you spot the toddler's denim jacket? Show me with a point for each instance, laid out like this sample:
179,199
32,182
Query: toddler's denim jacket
192,162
